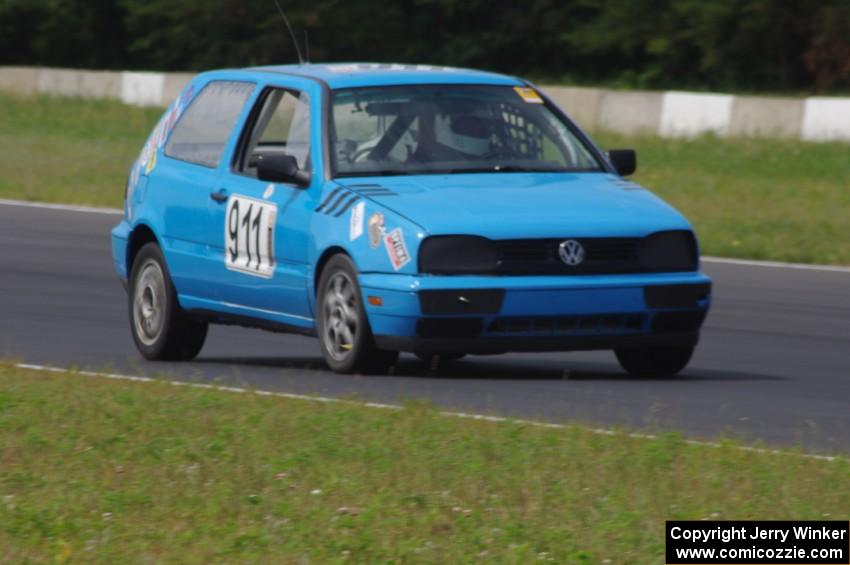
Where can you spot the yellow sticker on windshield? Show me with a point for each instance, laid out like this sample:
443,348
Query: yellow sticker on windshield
528,94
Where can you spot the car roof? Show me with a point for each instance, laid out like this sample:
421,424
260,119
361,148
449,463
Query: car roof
346,75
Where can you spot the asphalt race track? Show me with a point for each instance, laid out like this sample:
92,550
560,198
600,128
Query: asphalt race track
773,364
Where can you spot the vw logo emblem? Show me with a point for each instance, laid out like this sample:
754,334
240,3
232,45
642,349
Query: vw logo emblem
571,252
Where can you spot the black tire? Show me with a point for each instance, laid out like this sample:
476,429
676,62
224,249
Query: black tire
161,330
654,361
345,336
435,361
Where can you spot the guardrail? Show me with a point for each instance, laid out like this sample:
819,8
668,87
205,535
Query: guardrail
669,114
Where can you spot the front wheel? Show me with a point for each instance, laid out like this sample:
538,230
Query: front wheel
344,334
161,329
654,361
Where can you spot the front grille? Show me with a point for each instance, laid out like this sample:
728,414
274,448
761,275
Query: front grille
448,328
477,301
667,322
676,295
607,324
602,255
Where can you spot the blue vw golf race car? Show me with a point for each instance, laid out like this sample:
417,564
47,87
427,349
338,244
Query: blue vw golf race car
387,208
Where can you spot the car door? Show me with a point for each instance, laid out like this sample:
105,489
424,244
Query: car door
186,173
259,231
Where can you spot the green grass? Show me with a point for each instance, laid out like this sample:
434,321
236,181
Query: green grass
754,198
93,470
69,150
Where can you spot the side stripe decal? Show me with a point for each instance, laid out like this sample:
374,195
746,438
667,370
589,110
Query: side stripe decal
337,202
328,199
346,206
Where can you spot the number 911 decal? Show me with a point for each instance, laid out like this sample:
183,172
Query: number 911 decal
249,236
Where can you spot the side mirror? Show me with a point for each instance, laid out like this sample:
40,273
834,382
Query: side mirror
624,161
282,168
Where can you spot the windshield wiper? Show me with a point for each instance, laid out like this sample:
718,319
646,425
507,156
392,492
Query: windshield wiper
382,173
507,169
390,173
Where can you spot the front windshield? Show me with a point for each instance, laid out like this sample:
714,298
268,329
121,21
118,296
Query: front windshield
421,129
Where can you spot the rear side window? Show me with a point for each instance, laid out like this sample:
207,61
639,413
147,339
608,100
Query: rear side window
201,134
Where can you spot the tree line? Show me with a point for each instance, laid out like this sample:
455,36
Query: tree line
741,45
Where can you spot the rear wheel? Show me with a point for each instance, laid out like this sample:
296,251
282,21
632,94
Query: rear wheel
161,330
345,337
654,361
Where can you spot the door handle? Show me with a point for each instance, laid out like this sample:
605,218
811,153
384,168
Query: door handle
219,195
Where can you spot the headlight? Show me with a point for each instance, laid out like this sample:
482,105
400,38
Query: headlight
668,251
457,254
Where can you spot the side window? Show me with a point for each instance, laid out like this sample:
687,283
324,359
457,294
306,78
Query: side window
201,134
282,126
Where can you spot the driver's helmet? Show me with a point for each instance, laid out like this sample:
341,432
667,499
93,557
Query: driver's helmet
467,133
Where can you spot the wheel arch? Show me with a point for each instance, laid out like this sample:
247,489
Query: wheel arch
323,260
141,235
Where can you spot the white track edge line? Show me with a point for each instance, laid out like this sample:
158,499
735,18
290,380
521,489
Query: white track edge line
66,207
709,259
383,406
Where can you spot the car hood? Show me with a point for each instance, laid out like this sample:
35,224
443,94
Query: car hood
522,205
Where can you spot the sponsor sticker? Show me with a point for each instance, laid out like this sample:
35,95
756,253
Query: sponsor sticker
355,228
176,112
146,161
151,163
396,249
376,229
352,68
342,68
528,94
147,152
269,191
